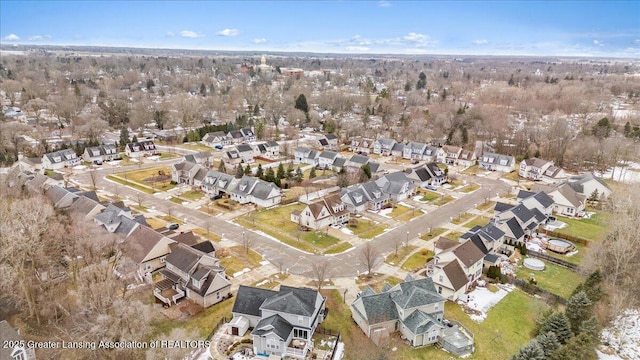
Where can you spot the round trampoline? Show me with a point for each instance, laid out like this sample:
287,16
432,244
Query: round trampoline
560,246
533,264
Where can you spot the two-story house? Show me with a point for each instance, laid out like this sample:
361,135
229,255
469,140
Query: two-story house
119,220
253,190
383,146
269,149
326,159
147,248
322,213
590,186
304,155
412,307
141,149
246,153
204,158
100,153
453,280
448,154
216,139
283,321
538,169
60,159
414,151
218,183
497,162
332,142
361,197
189,173
397,185
243,135
566,201
361,145
192,273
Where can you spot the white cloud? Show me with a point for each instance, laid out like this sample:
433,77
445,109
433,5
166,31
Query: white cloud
170,34
480,42
228,32
11,37
357,48
416,39
637,41
384,3
598,43
190,34
39,37
259,41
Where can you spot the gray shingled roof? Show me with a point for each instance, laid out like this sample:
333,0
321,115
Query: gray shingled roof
468,253
415,293
515,228
276,324
420,323
500,207
183,257
249,299
291,300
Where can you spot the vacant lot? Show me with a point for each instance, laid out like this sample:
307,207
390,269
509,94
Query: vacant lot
157,178
417,260
367,229
236,258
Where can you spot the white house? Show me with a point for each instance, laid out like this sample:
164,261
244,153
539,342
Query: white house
447,278
590,186
324,212
60,159
383,146
566,201
497,162
256,191
106,152
140,149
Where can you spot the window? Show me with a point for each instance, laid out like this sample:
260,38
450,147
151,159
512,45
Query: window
439,289
163,259
218,295
196,283
436,306
300,334
19,354
441,278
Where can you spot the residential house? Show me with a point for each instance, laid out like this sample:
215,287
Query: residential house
25,164
304,155
355,162
192,273
412,307
448,154
243,135
119,220
466,158
100,153
246,153
203,158
269,149
497,162
216,139
147,248
338,164
414,151
566,201
253,190
326,159
324,212
361,197
141,149
332,142
397,185
398,150
538,169
232,157
456,269
539,200
14,346
283,321
218,183
322,144
427,174
488,238
85,208
590,186
361,145
189,173
383,146
60,159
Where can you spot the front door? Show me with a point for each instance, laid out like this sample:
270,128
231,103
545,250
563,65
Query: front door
234,331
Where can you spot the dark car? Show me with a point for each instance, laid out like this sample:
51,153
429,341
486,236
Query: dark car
216,197
173,226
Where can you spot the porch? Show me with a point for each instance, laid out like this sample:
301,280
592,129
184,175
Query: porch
168,292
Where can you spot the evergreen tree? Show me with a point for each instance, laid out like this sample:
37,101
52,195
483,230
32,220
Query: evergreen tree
578,310
627,129
591,327
592,286
366,170
281,174
531,351
578,348
270,176
299,176
247,170
222,168
134,139
312,174
239,171
301,103
444,95
124,137
203,90
260,172
559,325
422,81
549,343
290,171
256,110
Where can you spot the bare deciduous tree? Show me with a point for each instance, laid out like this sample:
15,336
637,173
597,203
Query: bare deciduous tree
321,272
367,256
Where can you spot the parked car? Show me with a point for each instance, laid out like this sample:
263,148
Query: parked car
431,187
414,161
97,162
173,226
216,197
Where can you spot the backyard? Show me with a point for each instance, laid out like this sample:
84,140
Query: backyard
593,228
556,279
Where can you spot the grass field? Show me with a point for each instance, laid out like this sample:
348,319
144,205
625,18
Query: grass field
236,258
433,234
132,184
592,229
276,222
403,251
338,248
195,146
145,177
211,235
443,200
477,221
462,218
417,260
556,279
155,223
367,229
469,188
511,176
575,258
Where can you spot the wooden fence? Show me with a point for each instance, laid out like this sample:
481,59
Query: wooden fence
330,332
217,327
532,289
555,260
574,239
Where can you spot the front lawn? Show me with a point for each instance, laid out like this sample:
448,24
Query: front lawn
155,223
417,260
478,221
404,213
157,178
429,196
469,188
513,176
192,195
403,251
486,205
338,248
367,229
433,234
236,258
556,279
461,218
593,228
210,236
443,200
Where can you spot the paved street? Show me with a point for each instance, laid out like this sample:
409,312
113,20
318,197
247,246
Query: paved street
283,256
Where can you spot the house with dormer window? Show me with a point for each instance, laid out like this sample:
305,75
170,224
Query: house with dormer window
141,149
449,154
383,146
100,153
218,183
325,212
60,159
497,162
283,321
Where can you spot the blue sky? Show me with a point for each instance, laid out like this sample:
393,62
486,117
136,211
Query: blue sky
582,28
